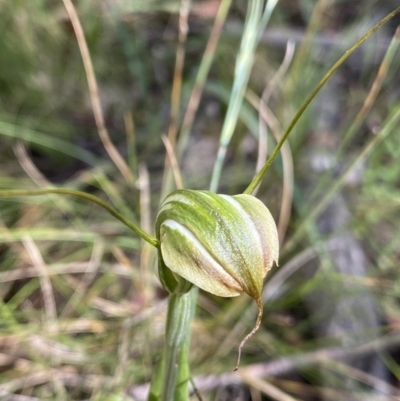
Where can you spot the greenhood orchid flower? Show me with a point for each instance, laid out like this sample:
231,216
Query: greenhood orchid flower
223,244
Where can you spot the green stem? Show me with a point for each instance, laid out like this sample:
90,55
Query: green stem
82,195
391,123
257,179
362,114
178,322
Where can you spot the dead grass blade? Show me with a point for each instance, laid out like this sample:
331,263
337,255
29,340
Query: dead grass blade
94,94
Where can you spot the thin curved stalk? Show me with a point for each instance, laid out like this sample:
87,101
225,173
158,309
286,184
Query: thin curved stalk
267,118
197,92
389,126
202,75
257,179
178,72
176,93
94,93
363,112
243,69
256,21
82,195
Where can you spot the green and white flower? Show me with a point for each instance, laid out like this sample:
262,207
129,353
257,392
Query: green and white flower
223,244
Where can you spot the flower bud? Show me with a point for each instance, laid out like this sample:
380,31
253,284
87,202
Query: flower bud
223,244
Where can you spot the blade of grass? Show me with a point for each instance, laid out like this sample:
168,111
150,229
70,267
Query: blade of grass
198,88
201,76
270,87
243,67
173,162
176,92
68,268
246,113
16,234
108,186
179,63
36,137
94,94
45,283
131,142
146,272
305,44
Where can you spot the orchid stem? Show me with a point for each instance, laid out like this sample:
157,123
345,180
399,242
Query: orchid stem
82,195
258,178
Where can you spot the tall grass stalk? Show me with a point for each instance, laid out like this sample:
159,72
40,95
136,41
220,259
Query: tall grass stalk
195,97
256,21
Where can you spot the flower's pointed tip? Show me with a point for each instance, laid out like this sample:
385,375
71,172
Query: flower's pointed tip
256,327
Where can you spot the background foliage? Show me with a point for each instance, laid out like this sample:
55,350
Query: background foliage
82,312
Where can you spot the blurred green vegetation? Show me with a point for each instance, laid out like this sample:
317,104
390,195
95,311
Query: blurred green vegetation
81,309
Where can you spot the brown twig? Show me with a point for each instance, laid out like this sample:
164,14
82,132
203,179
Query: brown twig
204,68
145,281
179,62
173,162
94,94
